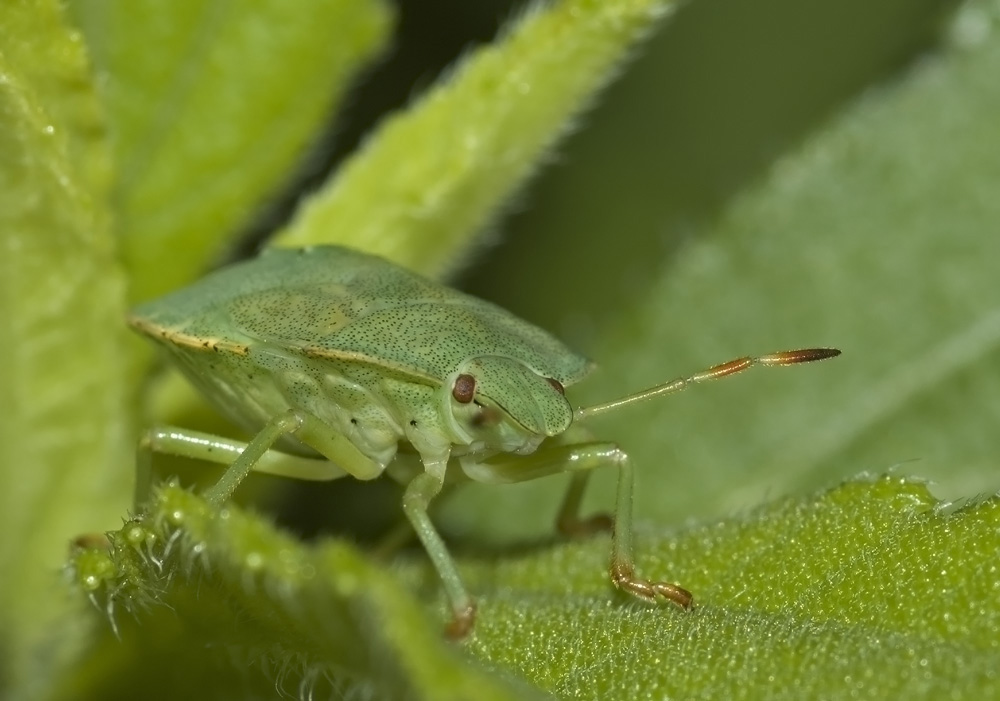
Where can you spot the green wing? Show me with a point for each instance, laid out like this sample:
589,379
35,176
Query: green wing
329,301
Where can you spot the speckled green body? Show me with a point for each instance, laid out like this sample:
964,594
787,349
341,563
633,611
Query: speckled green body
369,349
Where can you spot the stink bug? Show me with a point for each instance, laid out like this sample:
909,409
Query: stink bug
350,365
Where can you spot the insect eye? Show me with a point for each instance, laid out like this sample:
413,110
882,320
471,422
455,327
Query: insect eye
464,389
556,385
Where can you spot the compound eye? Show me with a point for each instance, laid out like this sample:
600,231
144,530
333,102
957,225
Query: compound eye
556,385
465,389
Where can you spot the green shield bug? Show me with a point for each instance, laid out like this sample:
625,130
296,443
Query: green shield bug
343,364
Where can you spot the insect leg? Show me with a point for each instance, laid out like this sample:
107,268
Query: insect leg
416,500
568,520
313,432
622,566
287,422
402,533
196,445
584,457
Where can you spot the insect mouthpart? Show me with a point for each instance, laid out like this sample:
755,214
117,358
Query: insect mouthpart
486,416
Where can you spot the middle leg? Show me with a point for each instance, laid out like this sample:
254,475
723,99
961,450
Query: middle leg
568,521
580,459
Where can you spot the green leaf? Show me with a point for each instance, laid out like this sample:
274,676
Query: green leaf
64,436
317,619
869,590
434,176
212,104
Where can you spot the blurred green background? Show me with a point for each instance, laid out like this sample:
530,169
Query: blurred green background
763,176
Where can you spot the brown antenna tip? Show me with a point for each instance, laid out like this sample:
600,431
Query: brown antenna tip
805,355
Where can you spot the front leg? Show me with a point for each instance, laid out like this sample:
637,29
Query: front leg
207,447
416,500
340,456
568,520
580,459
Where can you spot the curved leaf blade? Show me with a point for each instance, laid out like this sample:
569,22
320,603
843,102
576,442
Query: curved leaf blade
322,619
211,104
432,177
65,433
872,588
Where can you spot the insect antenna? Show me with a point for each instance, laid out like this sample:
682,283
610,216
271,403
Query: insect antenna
730,367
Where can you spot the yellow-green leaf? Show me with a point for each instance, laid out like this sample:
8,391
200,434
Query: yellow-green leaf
64,436
870,590
434,176
258,604
211,104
